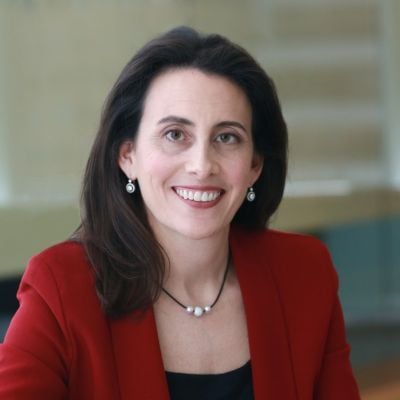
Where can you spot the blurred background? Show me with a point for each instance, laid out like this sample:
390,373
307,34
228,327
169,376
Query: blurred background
336,64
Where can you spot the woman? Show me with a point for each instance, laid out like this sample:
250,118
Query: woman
172,286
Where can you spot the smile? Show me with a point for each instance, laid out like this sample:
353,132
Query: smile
198,195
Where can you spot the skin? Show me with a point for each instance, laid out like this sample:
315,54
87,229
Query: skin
194,139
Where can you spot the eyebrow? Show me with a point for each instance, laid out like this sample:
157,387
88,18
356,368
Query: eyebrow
231,123
178,120
185,121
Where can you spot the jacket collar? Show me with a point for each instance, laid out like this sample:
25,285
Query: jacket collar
138,360
137,351
272,368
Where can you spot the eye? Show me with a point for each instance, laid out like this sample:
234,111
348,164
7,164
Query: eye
175,135
228,138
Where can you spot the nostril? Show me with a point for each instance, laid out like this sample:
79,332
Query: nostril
202,165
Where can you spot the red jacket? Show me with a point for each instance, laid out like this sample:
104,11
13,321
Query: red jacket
60,345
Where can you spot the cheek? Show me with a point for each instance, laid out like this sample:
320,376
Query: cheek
154,168
241,173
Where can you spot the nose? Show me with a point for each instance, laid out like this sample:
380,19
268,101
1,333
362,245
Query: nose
202,161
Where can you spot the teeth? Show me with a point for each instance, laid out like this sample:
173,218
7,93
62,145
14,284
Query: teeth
197,195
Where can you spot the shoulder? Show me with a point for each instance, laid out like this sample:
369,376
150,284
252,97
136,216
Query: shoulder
61,252
61,274
63,260
278,243
294,259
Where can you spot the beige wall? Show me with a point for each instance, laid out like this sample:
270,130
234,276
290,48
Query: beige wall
60,58
390,76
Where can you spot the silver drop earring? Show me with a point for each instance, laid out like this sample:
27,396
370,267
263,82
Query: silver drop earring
130,186
251,195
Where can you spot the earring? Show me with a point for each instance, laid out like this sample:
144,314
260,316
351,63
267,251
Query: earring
251,195
130,186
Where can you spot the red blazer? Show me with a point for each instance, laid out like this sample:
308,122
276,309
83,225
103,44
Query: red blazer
60,345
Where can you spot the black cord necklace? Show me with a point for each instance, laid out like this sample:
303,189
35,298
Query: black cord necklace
197,310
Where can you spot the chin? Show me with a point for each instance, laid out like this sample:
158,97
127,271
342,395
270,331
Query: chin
189,228
199,233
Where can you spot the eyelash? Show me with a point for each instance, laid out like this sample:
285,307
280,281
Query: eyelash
168,135
236,138
232,136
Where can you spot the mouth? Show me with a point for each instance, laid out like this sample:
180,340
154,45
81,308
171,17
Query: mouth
200,196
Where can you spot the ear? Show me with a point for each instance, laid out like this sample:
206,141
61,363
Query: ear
257,165
126,158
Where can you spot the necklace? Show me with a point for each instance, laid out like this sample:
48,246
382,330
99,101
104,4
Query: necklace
198,311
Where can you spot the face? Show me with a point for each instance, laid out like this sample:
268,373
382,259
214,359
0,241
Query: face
193,154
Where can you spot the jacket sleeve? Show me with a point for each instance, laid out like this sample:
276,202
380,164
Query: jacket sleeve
336,380
34,355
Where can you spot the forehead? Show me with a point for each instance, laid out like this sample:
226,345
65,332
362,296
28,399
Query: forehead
190,92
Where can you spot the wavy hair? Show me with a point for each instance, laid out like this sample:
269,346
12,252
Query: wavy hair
128,261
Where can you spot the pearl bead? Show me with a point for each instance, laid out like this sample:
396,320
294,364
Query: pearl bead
130,187
189,309
198,311
251,196
207,309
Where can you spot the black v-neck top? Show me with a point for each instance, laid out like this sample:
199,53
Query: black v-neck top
232,385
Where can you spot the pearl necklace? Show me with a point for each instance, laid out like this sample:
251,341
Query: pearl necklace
198,311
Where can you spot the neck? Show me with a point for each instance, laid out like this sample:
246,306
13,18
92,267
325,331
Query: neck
196,266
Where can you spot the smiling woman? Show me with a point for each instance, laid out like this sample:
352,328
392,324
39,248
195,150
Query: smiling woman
193,154
173,286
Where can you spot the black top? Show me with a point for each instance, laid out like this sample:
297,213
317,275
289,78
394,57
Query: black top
232,385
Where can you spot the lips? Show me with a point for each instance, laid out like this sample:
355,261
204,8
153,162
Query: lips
196,195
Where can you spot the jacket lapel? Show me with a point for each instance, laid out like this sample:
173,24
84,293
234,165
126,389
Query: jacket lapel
138,358
137,352
268,338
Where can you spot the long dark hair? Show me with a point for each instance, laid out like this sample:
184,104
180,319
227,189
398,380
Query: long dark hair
127,259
